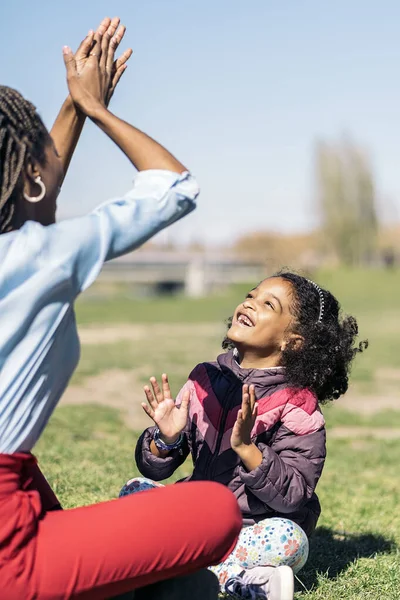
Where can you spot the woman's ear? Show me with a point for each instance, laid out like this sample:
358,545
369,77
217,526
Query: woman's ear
32,172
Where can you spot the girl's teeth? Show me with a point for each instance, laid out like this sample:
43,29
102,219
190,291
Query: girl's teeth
243,319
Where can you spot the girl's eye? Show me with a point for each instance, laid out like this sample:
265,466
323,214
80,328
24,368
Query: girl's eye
249,296
268,303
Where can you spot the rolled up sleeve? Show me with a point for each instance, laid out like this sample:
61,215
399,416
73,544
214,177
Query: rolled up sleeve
82,245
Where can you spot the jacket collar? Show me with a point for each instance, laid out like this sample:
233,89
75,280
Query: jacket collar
261,377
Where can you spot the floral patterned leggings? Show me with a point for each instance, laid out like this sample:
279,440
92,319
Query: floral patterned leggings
271,542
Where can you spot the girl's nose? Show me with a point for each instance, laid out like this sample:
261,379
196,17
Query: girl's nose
249,304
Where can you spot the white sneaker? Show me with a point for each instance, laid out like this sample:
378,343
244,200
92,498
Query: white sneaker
262,583
280,585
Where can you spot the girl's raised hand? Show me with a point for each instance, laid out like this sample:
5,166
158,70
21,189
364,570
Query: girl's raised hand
241,432
170,419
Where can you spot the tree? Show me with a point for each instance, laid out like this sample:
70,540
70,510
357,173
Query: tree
347,201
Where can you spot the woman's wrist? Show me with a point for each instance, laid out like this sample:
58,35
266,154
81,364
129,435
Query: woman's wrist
97,112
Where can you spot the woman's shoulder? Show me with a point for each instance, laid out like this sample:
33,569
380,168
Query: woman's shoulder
19,247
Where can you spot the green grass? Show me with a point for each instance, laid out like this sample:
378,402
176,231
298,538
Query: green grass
338,417
87,454
366,293
371,295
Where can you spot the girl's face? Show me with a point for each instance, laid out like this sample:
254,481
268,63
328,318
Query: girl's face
260,324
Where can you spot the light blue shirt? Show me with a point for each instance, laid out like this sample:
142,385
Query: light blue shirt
42,271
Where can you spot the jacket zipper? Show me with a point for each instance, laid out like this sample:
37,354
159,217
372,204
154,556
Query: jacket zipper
221,432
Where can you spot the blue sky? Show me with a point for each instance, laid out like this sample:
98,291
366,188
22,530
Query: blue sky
238,90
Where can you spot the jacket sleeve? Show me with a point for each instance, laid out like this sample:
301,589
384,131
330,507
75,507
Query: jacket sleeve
290,468
158,468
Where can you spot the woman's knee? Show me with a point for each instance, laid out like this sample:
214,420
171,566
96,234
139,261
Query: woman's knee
209,510
219,508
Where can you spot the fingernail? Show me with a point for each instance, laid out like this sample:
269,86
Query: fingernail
90,33
66,50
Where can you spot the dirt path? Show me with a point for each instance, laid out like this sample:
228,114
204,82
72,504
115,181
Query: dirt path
115,388
122,389
378,433
118,333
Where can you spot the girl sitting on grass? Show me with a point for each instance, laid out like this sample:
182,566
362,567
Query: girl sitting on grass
251,421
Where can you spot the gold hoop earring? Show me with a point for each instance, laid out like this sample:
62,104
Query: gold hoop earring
42,194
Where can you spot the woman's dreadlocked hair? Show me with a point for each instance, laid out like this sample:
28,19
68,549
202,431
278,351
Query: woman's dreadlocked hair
22,135
323,361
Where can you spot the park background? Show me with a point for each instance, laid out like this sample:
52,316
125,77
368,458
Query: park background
288,113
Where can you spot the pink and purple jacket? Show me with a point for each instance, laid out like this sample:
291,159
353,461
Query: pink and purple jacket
289,431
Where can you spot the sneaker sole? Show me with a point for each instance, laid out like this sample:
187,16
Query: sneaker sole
281,585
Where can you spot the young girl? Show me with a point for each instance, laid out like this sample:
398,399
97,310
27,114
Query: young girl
251,421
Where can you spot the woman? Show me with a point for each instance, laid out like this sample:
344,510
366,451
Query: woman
88,552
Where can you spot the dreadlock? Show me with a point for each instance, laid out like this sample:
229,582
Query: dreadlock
22,136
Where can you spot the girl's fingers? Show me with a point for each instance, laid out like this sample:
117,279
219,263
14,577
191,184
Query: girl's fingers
165,386
239,417
245,402
156,390
254,411
185,400
252,394
150,398
148,410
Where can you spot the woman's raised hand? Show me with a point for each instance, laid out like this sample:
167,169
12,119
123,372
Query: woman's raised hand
93,73
170,419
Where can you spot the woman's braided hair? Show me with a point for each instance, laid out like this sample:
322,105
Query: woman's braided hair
22,135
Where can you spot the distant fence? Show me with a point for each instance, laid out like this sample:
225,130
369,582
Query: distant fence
194,274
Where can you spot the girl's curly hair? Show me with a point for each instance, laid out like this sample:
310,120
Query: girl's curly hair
322,363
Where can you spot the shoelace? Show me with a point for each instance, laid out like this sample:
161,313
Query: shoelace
238,590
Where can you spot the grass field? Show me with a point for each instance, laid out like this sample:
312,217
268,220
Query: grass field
87,451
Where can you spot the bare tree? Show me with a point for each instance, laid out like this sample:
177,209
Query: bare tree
347,201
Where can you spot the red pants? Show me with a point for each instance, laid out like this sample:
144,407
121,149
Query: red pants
99,551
